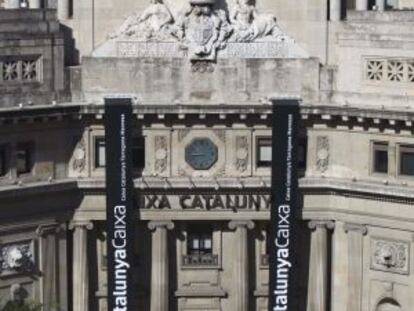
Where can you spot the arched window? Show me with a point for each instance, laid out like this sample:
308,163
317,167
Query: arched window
388,305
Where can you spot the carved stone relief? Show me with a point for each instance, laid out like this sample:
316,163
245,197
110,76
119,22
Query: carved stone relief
182,134
221,134
154,24
161,153
16,258
200,32
322,153
249,25
242,153
390,256
79,157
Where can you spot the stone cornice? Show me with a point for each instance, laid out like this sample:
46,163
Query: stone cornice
314,112
35,188
359,189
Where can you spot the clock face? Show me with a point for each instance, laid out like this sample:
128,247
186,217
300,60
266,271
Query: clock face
201,154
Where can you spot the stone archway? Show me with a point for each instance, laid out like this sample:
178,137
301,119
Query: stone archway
388,305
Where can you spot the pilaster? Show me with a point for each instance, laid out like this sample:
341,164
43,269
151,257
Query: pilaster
318,269
80,265
241,264
355,264
159,270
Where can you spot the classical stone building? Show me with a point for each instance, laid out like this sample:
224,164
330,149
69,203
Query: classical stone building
201,73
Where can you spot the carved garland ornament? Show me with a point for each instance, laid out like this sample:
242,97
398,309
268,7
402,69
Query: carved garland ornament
161,155
79,157
16,258
391,256
242,153
322,153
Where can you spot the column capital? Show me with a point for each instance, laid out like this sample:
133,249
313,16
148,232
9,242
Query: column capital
325,224
88,225
241,223
362,229
43,230
153,225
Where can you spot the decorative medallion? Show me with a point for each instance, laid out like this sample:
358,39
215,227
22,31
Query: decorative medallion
201,154
16,258
242,153
322,153
390,256
161,153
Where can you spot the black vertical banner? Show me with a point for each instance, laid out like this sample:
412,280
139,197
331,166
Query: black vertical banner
119,202
284,205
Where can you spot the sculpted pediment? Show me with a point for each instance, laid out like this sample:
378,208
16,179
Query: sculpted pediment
201,32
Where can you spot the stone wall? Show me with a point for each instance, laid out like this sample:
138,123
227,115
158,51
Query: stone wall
169,81
31,55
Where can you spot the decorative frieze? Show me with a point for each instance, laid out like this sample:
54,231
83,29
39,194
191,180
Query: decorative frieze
17,258
390,256
20,69
389,70
322,153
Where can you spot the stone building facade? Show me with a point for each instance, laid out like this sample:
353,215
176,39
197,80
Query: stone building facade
201,73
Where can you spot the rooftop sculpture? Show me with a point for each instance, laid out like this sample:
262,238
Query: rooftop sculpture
203,29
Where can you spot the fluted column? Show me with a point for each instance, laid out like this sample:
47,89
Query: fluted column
318,269
355,265
34,4
159,269
241,264
80,265
361,5
380,5
335,10
63,9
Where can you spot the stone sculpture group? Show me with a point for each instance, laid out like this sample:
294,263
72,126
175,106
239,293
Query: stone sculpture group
203,29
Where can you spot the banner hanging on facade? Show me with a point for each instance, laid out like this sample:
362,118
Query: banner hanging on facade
284,205
119,200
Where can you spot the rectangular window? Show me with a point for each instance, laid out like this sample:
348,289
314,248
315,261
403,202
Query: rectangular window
407,160
100,157
3,161
380,158
24,158
264,152
302,153
200,240
138,153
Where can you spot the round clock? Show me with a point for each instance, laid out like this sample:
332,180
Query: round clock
201,154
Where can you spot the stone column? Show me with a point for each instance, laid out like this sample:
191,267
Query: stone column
318,268
380,5
361,5
34,4
355,265
159,269
80,265
241,264
63,9
335,10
